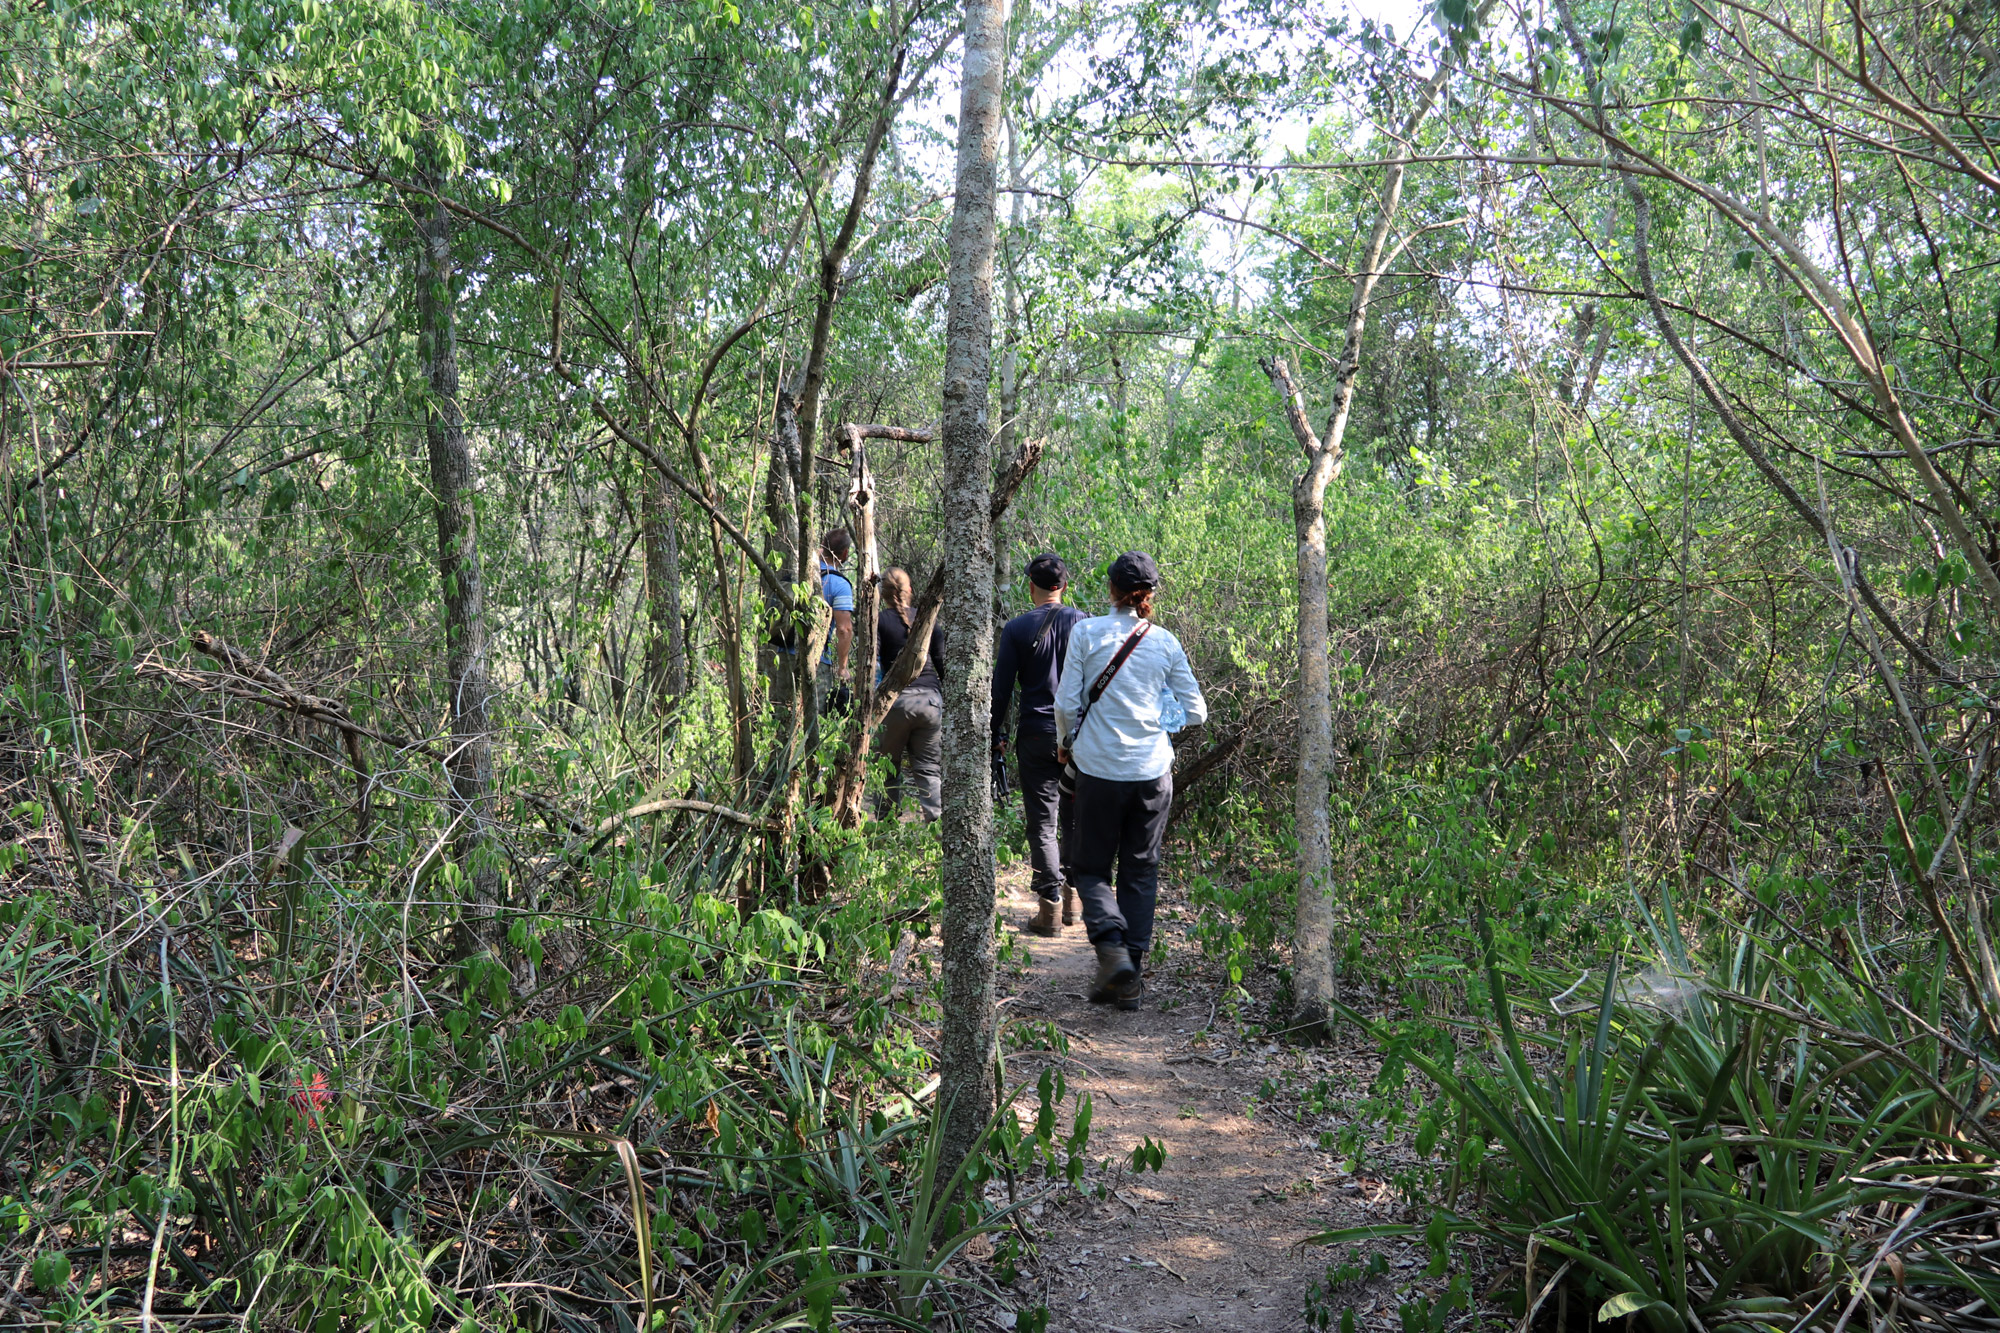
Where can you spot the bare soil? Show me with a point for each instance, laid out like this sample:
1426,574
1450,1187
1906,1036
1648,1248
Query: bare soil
1213,1239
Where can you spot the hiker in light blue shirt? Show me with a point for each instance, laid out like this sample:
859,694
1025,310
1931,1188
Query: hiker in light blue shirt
1124,763
835,694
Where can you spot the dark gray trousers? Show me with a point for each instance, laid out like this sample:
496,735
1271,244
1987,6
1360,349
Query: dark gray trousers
1123,822
913,739
1048,812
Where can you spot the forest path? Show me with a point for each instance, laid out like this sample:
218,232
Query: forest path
1211,1240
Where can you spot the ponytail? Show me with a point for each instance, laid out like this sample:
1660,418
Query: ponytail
896,592
1139,601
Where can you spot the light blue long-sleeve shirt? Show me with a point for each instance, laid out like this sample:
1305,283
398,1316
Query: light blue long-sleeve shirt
1122,738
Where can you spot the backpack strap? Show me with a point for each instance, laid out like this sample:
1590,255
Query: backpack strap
1048,623
1049,619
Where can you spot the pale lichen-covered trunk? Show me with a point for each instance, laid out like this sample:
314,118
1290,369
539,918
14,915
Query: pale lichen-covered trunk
453,487
1010,350
1312,929
867,566
846,783
968,1040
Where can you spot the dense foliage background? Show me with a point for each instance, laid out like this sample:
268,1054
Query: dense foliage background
1655,641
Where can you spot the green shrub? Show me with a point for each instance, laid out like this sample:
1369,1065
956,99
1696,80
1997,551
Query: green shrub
1730,1140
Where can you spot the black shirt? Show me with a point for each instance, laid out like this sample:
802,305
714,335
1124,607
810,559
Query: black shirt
1032,647
890,636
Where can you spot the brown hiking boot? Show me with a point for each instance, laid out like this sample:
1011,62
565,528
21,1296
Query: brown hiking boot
1045,918
1134,996
1069,905
1115,974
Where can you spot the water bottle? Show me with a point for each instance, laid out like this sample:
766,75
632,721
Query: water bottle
1172,716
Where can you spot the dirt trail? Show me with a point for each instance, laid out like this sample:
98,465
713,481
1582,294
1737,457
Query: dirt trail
1210,1241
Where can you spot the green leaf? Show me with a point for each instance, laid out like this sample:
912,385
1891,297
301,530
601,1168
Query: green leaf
1626,1302
753,1230
51,1271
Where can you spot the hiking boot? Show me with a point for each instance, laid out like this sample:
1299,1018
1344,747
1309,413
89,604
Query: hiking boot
1045,918
1115,974
1069,905
1134,997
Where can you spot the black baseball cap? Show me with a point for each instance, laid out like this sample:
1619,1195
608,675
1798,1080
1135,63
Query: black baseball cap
1048,571
1134,570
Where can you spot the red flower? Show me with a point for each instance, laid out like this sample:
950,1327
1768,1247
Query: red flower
311,1097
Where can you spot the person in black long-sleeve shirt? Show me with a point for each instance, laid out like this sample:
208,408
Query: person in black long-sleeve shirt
914,728
1033,646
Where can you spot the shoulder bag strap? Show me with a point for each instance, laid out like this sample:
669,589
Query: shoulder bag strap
1103,681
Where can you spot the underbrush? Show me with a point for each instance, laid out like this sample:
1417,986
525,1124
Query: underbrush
1776,1110
1417,855
264,1088
1750,1132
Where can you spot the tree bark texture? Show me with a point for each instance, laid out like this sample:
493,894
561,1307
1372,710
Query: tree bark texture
790,674
812,372
797,701
867,568
454,485
1010,349
1312,923
727,615
967,1046
666,642
1312,928
659,526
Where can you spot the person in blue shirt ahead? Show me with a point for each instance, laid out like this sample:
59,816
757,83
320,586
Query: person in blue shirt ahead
838,590
1032,646
1124,763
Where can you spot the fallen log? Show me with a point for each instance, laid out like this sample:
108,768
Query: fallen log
1208,761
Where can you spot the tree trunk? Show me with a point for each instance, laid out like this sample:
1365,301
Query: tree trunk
798,700
967,1045
848,781
1312,930
725,608
659,526
1010,352
791,674
453,486
867,566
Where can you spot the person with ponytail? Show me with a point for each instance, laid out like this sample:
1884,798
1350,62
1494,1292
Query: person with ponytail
913,731
1108,711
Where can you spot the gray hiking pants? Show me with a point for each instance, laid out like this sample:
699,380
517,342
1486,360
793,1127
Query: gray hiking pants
913,739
